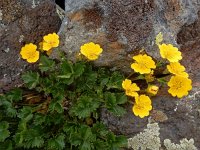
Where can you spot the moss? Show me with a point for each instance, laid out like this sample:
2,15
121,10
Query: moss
184,145
148,139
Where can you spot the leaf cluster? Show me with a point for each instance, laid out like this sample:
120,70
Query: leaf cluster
67,115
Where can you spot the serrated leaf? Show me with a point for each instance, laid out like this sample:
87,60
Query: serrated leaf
70,127
115,81
57,143
79,68
84,138
56,106
11,112
39,119
100,130
101,145
56,103
117,110
36,142
46,64
66,69
110,99
116,142
25,114
4,132
14,95
159,38
85,106
33,138
121,98
31,79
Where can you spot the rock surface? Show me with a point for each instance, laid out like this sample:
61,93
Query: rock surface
123,28
21,22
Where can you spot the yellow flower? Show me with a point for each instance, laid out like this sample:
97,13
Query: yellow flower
152,89
143,64
179,86
142,106
29,53
170,52
177,69
91,50
50,41
130,88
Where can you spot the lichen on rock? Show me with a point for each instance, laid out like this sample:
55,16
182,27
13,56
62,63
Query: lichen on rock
1,14
184,145
148,139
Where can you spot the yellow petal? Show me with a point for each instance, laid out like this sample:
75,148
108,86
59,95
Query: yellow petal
143,64
91,50
170,52
34,58
126,83
28,50
46,46
179,86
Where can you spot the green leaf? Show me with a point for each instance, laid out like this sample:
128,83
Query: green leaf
57,143
121,98
116,142
66,69
14,95
46,64
6,145
33,138
56,103
56,106
85,106
117,110
112,102
84,138
70,127
31,79
39,119
4,132
79,68
11,112
163,81
25,114
101,145
35,142
110,99
100,130
6,102
115,81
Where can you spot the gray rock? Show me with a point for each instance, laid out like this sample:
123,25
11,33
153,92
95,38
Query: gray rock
124,27
21,22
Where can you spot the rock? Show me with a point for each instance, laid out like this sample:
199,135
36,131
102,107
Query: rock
22,22
189,41
123,28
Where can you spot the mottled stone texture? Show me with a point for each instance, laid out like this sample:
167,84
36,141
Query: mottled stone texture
22,21
122,28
